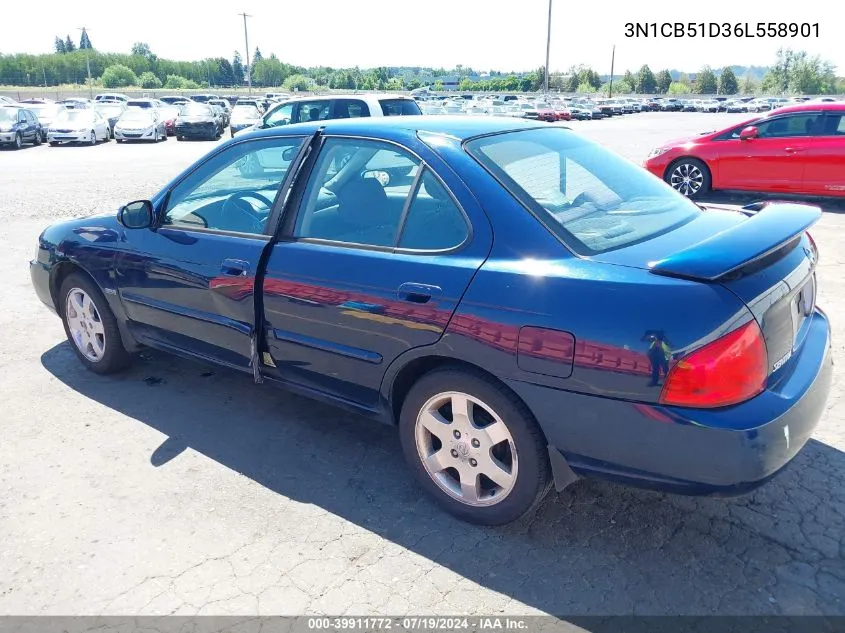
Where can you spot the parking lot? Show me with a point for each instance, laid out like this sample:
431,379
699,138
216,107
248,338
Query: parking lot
180,488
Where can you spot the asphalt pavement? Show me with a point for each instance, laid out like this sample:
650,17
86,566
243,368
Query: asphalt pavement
181,488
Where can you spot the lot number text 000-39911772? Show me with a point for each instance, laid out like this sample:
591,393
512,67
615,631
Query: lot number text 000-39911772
721,29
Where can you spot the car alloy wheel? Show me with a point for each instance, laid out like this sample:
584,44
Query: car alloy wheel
466,449
93,138
687,178
85,325
18,141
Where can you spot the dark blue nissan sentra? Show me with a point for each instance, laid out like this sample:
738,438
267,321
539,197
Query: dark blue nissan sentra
526,306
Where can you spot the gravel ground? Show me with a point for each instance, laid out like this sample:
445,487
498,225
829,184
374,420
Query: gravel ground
178,488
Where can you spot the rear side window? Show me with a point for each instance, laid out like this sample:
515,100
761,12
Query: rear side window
350,109
591,198
398,107
434,221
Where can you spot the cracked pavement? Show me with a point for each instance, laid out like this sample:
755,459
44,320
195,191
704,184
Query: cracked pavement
202,493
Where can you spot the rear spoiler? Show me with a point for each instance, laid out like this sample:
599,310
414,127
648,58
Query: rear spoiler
769,227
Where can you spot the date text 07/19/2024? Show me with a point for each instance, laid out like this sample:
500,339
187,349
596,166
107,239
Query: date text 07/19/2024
721,29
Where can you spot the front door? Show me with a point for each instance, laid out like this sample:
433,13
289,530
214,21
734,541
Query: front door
188,284
374,263
774,161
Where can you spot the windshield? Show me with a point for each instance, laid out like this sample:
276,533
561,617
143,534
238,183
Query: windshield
110,110
139,104
136,115
594,200
8,115
73,116
245,112
195,109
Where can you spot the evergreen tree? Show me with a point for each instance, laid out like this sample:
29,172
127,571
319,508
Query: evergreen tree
60,45
84,41
728,85
664,80
238,68
69,45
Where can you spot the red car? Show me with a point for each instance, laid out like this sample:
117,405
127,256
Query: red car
795,149
563,114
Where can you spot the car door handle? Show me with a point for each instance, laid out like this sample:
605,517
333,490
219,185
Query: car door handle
417,293
792,150
234,268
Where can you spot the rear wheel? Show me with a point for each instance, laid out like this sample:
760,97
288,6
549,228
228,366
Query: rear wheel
473,447
689,177
91,326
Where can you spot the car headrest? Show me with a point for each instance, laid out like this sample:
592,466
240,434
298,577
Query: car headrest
363,202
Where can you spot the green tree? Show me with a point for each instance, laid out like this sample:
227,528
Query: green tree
646,82
268,72
69,45
142,49
438,85
728,85
585,88
257,56
297,83
750,86
624,87
664,80
776,79
238,68
629,79
118,76
84,41
59,45
705,81
679,88
175,82
149,81
413,83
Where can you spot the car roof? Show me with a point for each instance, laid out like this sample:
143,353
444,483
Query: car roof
460,127
810,106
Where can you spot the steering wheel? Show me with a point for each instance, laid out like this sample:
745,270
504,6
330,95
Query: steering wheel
237,211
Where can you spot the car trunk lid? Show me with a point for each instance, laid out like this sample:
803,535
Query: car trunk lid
761,253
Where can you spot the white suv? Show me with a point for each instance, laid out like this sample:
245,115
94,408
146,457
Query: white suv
304,109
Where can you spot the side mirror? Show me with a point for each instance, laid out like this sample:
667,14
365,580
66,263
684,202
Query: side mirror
136,215
748,133
289,154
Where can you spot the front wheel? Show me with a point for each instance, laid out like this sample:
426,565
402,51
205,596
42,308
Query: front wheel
474,448
18,141
689,177
92,140
91,326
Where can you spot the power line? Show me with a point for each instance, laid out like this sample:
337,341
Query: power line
246,43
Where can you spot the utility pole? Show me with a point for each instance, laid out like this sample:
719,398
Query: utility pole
612,60
246,43
548,46
88,66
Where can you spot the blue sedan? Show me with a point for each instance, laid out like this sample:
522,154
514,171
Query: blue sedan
527,307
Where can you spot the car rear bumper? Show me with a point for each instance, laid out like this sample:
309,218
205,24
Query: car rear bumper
724,451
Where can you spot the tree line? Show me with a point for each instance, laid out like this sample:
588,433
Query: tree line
792,72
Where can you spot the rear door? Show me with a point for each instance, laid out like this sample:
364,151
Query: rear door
373,263
824,158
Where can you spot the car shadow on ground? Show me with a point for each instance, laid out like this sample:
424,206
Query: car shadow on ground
741,198
596,548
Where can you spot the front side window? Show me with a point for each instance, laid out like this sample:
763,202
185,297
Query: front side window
279,116
234,190
591,198
312,111
805,124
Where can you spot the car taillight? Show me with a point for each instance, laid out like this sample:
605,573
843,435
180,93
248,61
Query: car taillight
727,371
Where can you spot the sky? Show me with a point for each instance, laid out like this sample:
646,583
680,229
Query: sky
493,34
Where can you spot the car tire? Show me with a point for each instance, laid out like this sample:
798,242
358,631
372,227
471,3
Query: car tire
180,138
37,140
18,142
92,331
688,176
511,448
93,139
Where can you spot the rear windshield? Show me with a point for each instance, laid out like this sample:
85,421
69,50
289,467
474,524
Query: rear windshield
594,200
397,107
